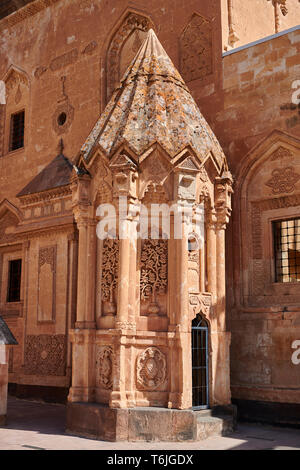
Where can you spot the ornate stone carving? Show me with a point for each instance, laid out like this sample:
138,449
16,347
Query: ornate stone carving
64,60
283,180
14,79
104,366
7,226
89,49
132,22
281,152
47,284
154,194
154,271
39,71
109,278
64,113
47,255
196,56
200,303
151,369
45,355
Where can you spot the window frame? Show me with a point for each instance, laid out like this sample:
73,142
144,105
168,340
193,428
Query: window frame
8,285
276,273
10,149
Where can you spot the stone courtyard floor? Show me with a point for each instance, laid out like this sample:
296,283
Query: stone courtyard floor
33,425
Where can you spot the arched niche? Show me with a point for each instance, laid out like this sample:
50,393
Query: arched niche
125,43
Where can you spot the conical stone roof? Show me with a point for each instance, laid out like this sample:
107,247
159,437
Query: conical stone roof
152,104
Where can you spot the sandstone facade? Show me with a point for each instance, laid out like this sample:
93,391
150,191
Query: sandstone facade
63,64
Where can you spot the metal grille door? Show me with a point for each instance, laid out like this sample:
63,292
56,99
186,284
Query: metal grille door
200,363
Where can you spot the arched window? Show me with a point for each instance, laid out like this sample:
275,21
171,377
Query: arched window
200,376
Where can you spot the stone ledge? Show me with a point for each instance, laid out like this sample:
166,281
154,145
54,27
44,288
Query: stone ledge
100,422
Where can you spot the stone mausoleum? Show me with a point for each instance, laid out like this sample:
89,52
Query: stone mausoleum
190,109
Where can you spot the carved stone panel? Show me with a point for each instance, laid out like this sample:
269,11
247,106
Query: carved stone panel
45,355
47,284
196,57
283,180
151,369
104,365
154,272
109,278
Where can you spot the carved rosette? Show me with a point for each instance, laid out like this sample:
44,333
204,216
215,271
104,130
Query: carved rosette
109,279
154,271
104,366
151,369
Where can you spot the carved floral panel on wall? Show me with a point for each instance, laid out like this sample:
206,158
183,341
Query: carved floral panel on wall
154,272
104,362
45,355
151,369
109,278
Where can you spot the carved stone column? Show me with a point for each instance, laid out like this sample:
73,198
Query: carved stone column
211,255
83,337
124,186
180,395
85,317
220,337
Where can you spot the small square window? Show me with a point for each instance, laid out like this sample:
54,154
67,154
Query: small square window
287,250
17,126
14,280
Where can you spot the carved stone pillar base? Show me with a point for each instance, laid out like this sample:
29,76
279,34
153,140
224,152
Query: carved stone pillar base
146,424
118,400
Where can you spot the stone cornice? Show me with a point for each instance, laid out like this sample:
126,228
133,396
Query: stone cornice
26,12
60,192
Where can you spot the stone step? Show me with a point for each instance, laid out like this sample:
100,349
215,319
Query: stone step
208,426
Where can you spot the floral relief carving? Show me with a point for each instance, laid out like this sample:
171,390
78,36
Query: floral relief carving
281,152
151,369
283,180
104,364
154,271
45,355
109,279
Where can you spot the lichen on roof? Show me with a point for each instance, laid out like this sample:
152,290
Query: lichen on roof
152,104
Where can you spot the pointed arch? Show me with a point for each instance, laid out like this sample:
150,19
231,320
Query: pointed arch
124,44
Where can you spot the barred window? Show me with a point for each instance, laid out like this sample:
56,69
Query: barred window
17,131
287,250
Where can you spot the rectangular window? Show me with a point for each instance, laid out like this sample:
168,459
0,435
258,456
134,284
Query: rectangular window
14,280
17,125
287,250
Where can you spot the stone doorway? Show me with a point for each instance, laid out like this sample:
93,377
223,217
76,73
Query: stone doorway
200,377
